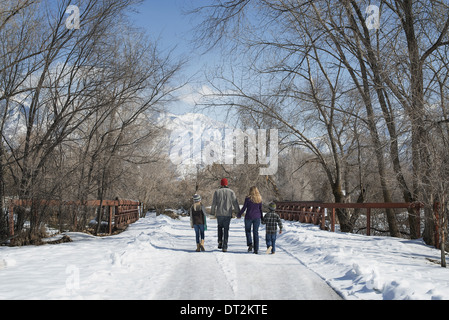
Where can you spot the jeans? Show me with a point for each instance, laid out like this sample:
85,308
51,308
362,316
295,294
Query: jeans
199,231
271,241
223,230
255,224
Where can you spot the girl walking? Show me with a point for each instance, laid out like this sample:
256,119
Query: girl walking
253,217
198,221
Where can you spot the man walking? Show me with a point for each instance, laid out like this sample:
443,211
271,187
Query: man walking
222,204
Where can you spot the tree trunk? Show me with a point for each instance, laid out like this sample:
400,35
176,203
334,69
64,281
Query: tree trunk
342,214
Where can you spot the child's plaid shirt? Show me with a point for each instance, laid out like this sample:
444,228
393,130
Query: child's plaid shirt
272,220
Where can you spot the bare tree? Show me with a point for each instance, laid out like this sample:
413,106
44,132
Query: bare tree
386,67
76,103
305,91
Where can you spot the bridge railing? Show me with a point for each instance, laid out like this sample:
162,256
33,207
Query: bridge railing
315,212
126,212
120,213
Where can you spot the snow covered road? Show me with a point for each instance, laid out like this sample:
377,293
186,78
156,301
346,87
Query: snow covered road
236,274
154,259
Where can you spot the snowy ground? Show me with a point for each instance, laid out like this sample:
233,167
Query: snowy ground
154,259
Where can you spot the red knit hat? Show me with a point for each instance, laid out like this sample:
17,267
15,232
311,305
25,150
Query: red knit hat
224,182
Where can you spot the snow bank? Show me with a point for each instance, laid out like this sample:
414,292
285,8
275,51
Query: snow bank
371,268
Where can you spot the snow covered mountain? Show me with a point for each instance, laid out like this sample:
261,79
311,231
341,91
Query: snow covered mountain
193,140
175,122
197,140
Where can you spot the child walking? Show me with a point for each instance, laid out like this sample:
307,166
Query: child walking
272,220
198,221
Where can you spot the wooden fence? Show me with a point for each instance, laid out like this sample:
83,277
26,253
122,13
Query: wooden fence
314,212
120,213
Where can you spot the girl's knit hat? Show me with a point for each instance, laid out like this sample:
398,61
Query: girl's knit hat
196,198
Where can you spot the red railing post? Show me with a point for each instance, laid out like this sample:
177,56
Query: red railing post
368,221
323,219
110,220
117,215
333,220
11,219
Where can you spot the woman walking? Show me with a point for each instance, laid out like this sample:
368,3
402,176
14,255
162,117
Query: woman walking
198,221
253,217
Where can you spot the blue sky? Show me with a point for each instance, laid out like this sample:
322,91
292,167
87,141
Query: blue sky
165,20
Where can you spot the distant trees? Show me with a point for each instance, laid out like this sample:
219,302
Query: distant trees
355,97
76,104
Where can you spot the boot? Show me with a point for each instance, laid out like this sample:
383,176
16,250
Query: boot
198,249
202,246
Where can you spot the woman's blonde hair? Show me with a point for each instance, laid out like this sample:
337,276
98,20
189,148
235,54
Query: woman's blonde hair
254,195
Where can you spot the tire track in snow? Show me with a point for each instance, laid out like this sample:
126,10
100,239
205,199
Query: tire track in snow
185,274
229,269
235,274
